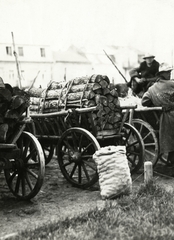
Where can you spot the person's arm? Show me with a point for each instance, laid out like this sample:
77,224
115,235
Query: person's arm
134,72
146,100
147,80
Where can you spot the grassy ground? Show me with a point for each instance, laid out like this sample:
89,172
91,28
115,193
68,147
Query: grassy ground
146,214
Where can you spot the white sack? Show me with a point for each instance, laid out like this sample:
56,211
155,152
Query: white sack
114,172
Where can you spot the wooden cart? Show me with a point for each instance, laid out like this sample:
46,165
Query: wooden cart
22,160
75,137
146,121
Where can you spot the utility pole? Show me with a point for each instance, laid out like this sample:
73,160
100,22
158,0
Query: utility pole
17,63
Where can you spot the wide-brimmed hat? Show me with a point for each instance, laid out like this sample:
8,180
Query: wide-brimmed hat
148,55
165,67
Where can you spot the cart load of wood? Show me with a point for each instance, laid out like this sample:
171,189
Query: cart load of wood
81,92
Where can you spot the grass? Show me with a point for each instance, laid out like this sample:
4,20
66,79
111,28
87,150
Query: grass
147,214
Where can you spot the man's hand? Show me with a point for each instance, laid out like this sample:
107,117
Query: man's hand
142,80
137,79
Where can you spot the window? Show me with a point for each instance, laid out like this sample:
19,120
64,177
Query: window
20,51
9,51
23,74
11,75
42,52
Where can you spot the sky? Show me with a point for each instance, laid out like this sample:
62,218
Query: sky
146,25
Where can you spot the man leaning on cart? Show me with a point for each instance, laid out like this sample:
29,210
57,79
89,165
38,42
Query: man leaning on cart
161,94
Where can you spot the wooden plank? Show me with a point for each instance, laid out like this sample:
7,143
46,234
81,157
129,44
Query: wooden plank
143,109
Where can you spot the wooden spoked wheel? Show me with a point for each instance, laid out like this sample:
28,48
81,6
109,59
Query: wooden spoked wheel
48,150
149,138
26,173
133,141
75,157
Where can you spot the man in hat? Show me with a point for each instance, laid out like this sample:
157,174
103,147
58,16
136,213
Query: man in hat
161,94
143,76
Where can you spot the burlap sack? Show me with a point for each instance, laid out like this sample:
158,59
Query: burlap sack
114,172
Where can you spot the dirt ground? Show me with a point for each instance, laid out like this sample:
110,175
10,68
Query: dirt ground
57,199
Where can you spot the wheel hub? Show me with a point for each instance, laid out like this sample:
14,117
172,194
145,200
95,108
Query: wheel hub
76,157
18,164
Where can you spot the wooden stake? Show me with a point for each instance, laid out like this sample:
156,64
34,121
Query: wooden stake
34,80
17,64
148,172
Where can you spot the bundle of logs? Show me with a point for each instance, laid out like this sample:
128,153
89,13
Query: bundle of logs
13,103
82,92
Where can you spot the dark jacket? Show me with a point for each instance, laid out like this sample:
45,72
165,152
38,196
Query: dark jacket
161,94
143,71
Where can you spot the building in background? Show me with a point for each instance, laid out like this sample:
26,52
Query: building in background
38,65
76,62
70,64
34,61
116,67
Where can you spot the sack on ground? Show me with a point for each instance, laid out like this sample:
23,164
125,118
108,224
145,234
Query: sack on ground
114,172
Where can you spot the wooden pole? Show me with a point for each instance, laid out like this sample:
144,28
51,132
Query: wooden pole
115,66
65,75
17,64
33,81
148,172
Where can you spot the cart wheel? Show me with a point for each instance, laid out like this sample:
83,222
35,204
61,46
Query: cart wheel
149,138
26,174
48,150
133,141
75,157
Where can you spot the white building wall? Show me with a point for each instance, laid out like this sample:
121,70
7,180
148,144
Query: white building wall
71,70
29,71
39,72
30,65
78,70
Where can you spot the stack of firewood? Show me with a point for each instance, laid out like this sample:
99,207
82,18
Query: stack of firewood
82,92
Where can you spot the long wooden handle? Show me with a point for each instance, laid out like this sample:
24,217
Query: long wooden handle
115,66
17,64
